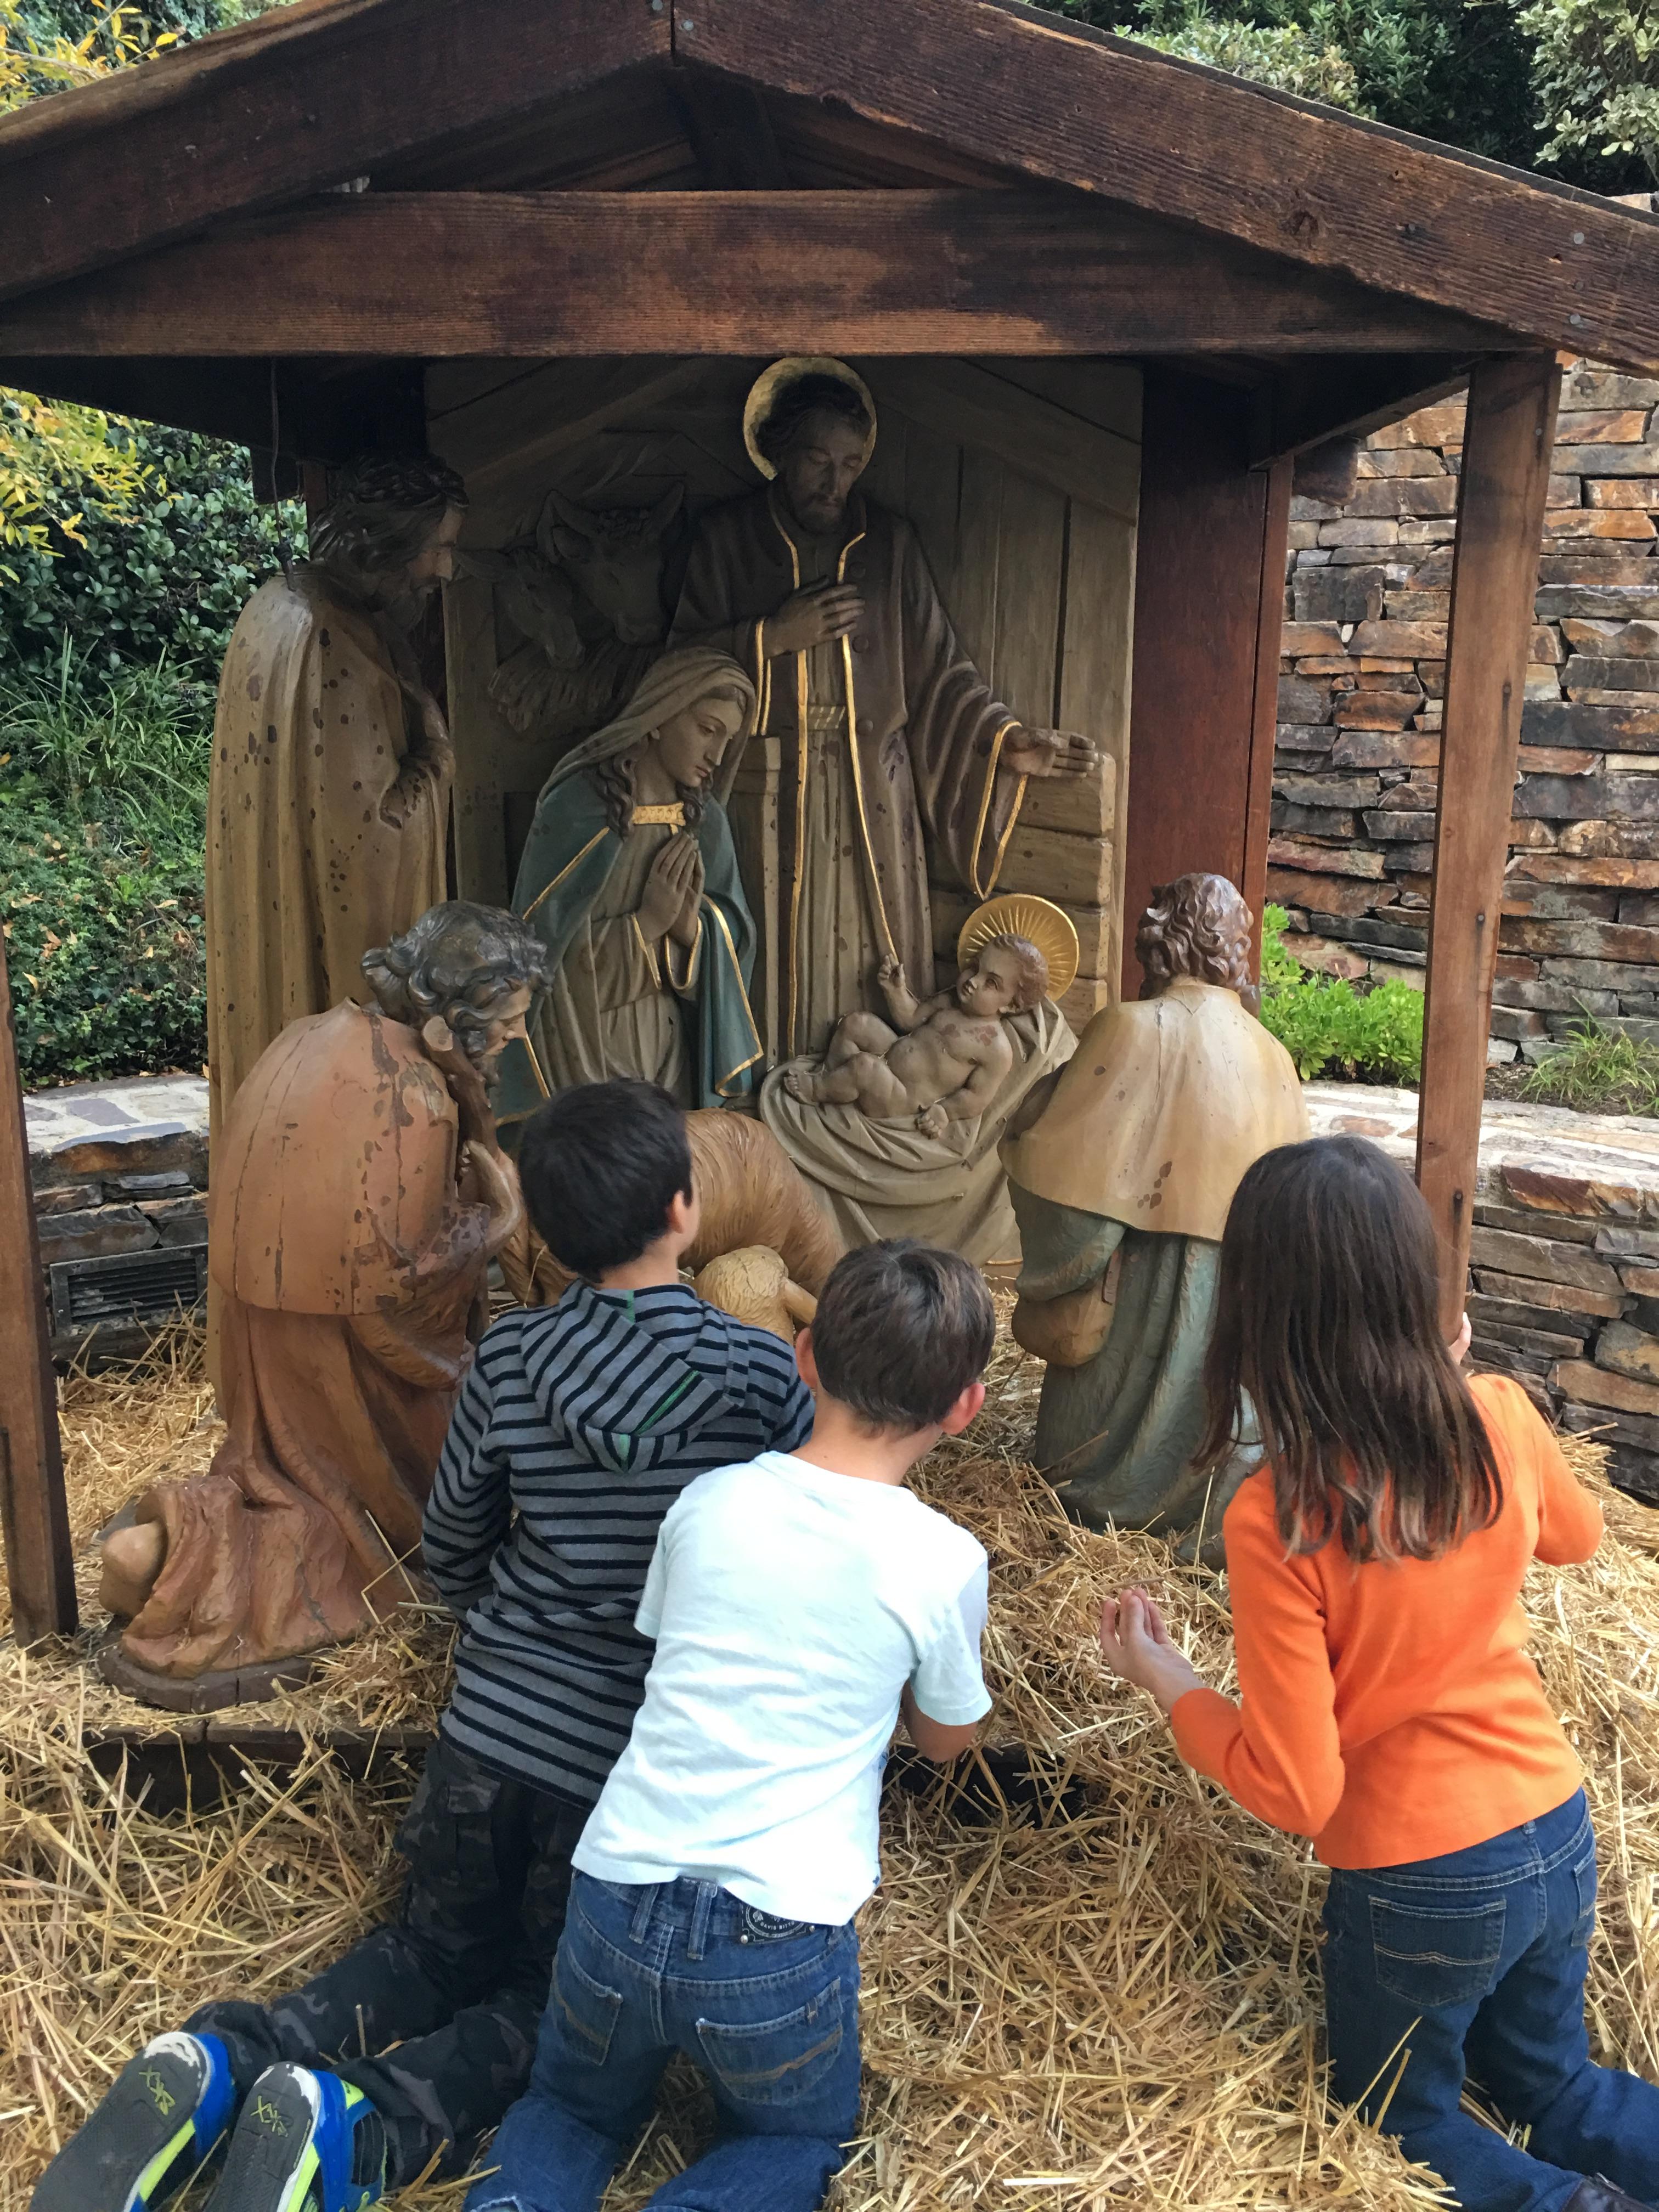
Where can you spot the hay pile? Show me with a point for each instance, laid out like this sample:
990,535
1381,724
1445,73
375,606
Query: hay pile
1117,2010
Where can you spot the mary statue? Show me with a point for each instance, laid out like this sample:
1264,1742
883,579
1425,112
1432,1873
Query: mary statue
630,881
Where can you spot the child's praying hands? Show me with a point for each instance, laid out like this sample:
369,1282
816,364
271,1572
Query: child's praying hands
1136,1643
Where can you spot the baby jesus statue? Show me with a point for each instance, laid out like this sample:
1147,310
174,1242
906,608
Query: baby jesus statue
943,1058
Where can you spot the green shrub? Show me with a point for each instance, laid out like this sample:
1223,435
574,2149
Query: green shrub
1331,1029
1599,1070
168,573
106,952
103,789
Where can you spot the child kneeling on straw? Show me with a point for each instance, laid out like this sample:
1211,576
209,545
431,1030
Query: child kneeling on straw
579,1426
799,1604
1388,1708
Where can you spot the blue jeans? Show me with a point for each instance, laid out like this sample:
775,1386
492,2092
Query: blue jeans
767,2007
1473,1966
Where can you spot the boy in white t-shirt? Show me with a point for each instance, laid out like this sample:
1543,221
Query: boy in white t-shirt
799,1604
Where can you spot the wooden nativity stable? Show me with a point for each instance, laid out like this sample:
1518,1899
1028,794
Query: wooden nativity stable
1108,304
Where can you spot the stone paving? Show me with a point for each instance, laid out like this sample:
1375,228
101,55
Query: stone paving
120,1172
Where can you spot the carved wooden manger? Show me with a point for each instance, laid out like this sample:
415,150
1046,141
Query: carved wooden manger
1108,305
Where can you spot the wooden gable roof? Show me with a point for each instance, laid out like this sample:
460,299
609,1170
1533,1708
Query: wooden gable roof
657,176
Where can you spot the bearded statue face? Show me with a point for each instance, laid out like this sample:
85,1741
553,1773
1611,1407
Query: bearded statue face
822,459
389,535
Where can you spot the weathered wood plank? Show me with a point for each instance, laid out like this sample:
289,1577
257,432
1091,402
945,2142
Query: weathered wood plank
1037,437
1502,487
438,274
1029,577
1197,636
979,545
1306,402
504,435
33,1512
1270,622
1104,393
1094,677
480,735
1560,265
933,492
295,103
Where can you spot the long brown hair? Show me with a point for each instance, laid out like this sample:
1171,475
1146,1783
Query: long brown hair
1327,1317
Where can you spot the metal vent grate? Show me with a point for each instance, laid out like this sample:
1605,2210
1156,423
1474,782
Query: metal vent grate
129,1287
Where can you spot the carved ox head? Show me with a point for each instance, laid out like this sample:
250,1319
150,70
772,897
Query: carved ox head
615,555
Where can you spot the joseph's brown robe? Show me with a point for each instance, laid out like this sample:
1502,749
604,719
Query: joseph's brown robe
325,822
927,737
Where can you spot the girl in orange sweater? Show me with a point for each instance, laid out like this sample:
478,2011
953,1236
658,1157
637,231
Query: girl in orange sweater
1388,1708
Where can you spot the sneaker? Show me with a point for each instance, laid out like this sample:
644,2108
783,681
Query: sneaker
305,2142
159,2121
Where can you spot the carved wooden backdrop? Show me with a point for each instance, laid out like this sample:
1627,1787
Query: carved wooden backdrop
1021,478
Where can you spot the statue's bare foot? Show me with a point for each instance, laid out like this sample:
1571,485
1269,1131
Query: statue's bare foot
132,1561
800,1083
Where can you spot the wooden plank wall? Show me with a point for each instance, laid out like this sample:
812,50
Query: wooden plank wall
1022,480
1033,544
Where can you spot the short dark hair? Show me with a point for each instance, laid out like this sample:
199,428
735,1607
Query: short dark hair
901,1329
600,1166
812,394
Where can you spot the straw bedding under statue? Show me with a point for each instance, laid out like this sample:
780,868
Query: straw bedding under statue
1119,2009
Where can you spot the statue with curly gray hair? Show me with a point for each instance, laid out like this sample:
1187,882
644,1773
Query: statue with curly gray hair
1121,1170
359,1196
328,795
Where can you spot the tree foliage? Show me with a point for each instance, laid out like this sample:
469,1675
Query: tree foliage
103,795
1486,75
165,575
1286,55
1597,74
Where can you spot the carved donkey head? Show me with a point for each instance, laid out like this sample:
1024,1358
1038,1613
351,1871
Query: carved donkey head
614,555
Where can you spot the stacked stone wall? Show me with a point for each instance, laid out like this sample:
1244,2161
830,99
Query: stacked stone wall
1361,692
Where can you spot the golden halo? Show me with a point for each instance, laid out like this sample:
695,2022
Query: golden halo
1022,914
790,370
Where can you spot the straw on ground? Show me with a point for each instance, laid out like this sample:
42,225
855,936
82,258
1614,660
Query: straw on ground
1120,2010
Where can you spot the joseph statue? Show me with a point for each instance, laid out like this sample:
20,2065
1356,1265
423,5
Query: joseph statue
890,732
328,795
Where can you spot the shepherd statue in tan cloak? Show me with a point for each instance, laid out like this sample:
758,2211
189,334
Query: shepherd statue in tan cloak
1122,1171
359,1196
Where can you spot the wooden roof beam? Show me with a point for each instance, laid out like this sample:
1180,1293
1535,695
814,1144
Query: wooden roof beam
292,103
1562,267
1303,403
430,275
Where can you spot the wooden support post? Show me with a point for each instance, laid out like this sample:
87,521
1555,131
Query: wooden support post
33,1510
1508,441
1209,605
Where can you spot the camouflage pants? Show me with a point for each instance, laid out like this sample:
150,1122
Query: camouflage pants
457,1984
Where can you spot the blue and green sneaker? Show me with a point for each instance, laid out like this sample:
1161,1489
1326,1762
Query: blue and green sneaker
164,2113
305,2142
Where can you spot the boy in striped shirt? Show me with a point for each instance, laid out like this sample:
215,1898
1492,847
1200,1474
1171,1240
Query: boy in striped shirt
579,1426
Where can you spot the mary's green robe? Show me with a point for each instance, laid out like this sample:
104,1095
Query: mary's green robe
620,1006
